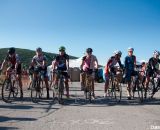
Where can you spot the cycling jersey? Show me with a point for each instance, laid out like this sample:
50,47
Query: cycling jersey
38,60
89,62
12,62
129,66
151,67
61,62
38,63
130,62
111,63
153,62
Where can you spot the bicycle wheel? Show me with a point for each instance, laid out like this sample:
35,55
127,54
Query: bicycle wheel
15,88
89,87
61,90
151,89
86,93
156,89
34,92
118,92
133,87
7,91
41,86
30,85
114,94
140,92
137,90
111,90
55,90
90,93
86,88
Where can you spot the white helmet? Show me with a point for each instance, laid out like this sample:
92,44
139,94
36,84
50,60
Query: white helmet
130,49
156,53
117,52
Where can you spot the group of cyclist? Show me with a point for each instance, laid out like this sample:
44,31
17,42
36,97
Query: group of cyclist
129,69
38,65
89,64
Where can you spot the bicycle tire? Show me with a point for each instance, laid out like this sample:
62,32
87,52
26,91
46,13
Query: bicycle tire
140,93
61,90
118,92
6,91
35,92
89,87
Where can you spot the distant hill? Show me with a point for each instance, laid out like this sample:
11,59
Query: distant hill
27,55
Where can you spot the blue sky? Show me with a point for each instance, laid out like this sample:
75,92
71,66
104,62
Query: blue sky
104,25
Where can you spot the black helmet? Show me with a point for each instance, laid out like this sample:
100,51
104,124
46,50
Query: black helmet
39,49
89,50
11,50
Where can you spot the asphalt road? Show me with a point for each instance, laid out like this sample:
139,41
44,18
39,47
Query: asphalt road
78,114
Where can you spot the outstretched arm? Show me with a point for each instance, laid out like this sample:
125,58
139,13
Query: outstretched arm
3,64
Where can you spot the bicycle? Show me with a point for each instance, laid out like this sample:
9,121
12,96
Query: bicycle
36,88
137,86
115,89
10,87
58,88
88,89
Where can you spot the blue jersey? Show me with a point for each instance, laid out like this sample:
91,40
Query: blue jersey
129,62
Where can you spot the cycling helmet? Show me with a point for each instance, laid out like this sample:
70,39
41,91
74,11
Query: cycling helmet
39,49
11,50
89,50
117,52
130,49
62,48
143,63
157,53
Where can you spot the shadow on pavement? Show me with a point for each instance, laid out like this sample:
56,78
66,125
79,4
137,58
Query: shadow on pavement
8,128
46,104
10,106
5,119
103,102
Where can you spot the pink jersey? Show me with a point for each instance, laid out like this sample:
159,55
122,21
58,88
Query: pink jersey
89,63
